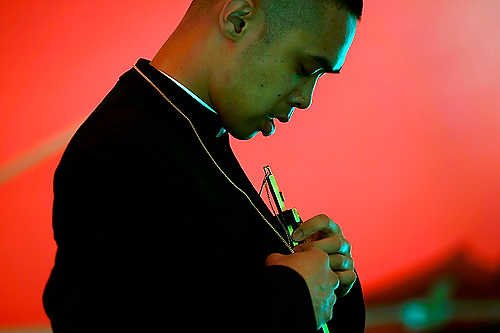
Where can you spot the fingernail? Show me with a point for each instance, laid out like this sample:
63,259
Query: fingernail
298,235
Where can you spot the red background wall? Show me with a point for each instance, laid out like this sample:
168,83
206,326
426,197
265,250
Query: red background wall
402,149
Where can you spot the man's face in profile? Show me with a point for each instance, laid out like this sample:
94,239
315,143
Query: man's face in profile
257,79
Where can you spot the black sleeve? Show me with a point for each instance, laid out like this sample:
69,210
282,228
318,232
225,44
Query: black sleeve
288,306
133,256
349,312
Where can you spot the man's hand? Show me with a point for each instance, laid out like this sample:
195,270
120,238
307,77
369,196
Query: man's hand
322,233
314,266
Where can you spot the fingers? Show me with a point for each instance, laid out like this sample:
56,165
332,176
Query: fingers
336,282
320,232
333,244
341,262
318,224
347,279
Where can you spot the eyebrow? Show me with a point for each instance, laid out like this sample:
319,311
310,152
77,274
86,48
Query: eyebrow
325,64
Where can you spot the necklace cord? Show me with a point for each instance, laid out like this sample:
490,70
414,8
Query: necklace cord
227,177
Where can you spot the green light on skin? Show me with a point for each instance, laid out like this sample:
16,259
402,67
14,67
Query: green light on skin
290,232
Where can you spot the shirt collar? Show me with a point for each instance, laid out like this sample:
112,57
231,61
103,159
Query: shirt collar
204,117
192,94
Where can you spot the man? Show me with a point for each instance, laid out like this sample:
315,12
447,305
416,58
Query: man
157,225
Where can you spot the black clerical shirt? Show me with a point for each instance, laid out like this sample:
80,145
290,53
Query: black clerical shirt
192,94
152,236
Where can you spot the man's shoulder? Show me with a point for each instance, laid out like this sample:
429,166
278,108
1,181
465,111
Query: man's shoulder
116,133
127,115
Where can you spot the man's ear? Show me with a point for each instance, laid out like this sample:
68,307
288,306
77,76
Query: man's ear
234,18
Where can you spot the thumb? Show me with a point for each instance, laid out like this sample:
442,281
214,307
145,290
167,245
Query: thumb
274,259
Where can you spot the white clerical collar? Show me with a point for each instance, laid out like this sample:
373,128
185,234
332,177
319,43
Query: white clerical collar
199,100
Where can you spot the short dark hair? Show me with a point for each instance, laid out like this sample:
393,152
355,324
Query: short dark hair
285,15
355,7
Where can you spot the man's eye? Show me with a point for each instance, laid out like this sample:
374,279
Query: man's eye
302,71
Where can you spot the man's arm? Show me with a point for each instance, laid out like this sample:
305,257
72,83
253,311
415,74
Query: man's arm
133,256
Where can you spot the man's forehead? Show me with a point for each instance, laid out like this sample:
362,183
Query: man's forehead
330,48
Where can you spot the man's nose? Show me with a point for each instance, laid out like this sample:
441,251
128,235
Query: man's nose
303,97
300,103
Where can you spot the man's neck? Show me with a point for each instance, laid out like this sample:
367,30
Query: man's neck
185,64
